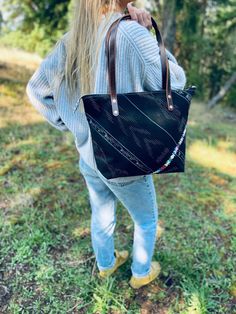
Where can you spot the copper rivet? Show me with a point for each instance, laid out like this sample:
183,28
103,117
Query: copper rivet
115,112
169,96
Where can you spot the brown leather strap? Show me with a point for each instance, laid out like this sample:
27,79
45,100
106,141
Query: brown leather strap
110,47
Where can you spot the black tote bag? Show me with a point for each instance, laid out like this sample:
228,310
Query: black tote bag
138,133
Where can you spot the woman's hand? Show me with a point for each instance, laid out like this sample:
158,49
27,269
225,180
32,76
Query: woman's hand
142,16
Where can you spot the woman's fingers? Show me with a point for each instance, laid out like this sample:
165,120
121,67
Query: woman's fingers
147,19
132,11
142,16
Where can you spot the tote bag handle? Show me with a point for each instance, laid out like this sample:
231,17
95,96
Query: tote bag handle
110,48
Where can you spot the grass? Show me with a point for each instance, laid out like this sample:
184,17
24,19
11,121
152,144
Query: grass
46,260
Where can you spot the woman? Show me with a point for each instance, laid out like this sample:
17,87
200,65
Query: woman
77,66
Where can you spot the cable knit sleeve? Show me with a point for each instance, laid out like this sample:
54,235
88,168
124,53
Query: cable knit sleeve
152,79
39,88
147,49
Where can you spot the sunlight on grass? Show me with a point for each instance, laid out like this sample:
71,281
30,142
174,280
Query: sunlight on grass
28,141
192,122
81,231
229,206
213,157
233,290
21,200
9,91
18,162
195,305
217,180
17,204
19,57
225,145
15,114
45,273
54,164
104,296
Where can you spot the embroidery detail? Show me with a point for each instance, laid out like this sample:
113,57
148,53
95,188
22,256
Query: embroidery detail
173,154
117,145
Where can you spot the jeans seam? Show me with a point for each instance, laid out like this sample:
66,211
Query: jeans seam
143,275
153,203
82,168
108,267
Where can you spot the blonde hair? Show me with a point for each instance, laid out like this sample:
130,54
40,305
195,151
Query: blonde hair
83,44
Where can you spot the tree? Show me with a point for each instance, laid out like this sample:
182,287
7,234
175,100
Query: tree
222,34
35,25
201,33
49,14
1,21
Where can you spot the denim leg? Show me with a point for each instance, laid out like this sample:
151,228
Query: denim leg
139,198
103,220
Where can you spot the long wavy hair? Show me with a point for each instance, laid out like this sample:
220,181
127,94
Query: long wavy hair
83,44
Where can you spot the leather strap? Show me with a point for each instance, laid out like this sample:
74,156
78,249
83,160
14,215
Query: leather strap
110,48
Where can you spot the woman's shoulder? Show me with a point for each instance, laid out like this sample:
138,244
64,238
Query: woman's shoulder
132,27
55,58
140,38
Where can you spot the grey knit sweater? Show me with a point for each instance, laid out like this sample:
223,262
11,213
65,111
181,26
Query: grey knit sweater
138,69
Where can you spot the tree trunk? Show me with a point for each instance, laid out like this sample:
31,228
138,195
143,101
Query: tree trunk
214,100
169,23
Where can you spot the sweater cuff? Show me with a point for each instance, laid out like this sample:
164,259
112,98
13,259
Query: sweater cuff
170,56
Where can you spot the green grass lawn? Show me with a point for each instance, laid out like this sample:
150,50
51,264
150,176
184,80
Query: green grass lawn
46,260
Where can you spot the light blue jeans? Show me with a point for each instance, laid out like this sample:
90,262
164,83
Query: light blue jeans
139,198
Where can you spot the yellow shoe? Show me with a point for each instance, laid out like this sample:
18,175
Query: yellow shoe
121,258
138,282
160,231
